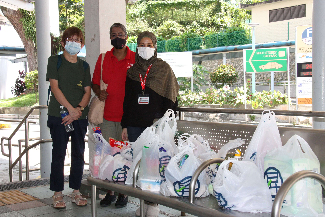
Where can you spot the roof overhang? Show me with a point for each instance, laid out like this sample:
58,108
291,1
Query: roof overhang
11,51
250,6
16,4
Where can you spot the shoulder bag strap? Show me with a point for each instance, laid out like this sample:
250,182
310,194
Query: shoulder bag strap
103,86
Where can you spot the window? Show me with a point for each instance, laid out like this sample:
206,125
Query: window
287,13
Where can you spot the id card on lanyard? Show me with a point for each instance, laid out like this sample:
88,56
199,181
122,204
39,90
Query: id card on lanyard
144,98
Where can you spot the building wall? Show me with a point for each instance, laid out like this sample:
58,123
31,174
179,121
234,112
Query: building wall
280,30
8,75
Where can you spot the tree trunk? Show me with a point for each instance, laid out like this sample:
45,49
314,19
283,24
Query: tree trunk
14,18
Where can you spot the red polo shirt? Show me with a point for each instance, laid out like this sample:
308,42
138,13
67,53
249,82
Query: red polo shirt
114,74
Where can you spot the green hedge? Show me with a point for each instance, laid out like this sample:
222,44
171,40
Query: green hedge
191,41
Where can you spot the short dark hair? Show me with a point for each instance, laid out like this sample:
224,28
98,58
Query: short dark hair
119,25
70,32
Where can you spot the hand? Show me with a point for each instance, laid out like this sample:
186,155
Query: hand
74,114
102,95
125,134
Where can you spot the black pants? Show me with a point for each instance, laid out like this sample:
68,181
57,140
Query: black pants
60,140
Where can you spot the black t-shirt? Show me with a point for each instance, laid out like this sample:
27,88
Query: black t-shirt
72,79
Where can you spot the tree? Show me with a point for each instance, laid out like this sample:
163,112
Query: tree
19,19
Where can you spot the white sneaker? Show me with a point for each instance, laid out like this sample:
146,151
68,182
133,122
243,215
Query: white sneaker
152,210
145,208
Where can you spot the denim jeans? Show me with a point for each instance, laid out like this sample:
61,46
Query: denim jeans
60,140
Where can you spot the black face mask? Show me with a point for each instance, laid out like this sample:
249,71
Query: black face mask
118,43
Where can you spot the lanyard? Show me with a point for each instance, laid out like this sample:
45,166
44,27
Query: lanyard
143,81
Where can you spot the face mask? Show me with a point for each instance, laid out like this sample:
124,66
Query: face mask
146,52
72,47
118,43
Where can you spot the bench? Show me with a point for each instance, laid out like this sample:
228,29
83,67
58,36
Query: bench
217,134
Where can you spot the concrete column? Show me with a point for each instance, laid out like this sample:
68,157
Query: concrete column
43,52
224,58
318,61
99,16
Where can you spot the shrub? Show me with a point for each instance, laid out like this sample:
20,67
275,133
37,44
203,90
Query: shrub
31,80
20,86
224,74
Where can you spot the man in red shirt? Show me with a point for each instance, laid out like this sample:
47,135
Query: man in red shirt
115,65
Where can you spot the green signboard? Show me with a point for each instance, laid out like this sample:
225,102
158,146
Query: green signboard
266,60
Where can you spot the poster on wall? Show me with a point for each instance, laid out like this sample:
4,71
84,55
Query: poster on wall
304,65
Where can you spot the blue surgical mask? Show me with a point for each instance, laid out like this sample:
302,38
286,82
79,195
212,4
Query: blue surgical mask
72,47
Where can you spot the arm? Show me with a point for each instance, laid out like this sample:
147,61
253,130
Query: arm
86,97
74,113
101,94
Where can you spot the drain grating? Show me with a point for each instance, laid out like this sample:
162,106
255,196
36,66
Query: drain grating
13,197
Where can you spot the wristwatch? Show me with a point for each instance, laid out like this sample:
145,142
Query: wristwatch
81,108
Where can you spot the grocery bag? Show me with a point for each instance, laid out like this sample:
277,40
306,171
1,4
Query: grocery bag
179,173
149,177
239,185
101,148
162,134
114,168
305,197
265,139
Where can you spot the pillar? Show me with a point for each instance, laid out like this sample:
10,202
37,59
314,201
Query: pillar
43,52
318,62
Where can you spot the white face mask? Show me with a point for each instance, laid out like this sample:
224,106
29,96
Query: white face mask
72,47
146,52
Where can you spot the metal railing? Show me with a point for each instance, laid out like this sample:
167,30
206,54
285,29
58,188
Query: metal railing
288,183
249,111
9,139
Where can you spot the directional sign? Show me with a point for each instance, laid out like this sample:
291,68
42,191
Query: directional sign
266,60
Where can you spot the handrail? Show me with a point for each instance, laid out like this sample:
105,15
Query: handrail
252,111
18,127
24,120
197,173
26,150
135,176
288,183
26,116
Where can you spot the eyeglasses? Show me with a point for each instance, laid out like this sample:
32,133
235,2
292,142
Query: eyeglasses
117,35
75,40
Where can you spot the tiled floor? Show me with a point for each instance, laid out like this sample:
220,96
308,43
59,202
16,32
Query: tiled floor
37,201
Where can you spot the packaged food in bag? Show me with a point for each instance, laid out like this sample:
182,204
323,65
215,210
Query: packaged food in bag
179,173
305,197
265,139
239,185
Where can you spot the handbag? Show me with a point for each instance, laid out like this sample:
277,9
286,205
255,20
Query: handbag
96,107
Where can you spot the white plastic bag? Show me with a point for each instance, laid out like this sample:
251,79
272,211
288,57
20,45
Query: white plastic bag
114,168
149,177
101,148
162,132
242,187
230,145
179,173
305,197
265,139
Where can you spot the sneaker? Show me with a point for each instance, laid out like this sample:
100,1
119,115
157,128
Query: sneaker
153,210
121,202
107,200
145,208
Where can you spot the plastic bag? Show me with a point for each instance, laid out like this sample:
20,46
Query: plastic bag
114,168
265,139
241,187
230,145
305,197
149,177
101,148
162,133
179,173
